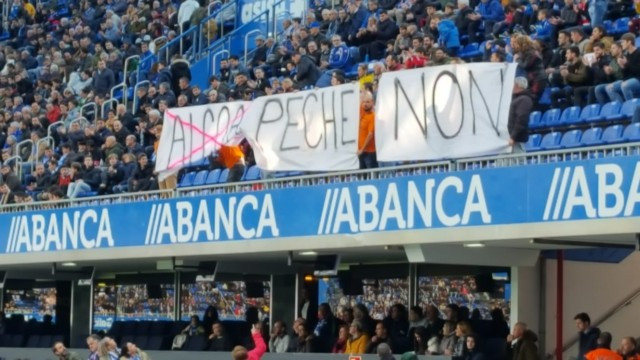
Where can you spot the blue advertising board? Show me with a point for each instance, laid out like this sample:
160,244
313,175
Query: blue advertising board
581,190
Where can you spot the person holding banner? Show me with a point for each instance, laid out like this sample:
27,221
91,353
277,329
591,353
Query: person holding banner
366,140
232,158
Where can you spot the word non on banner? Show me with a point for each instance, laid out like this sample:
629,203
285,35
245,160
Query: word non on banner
443,112
189,134
315,130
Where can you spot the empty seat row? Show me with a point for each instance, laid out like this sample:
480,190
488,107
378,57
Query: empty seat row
33,341
218,176
613,134
611,111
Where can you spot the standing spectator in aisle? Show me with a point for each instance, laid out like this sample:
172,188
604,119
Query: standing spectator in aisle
629,87
521,343
241,353
521,107
103,80
358,340
366,135
588,335
279,340
597,10
603,352
628,347
325,329
62,353
184,14
530,62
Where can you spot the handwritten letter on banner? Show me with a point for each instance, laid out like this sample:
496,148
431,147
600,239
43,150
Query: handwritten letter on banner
315,130
189,134
444,112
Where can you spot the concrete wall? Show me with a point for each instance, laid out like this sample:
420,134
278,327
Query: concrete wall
46,354
593,288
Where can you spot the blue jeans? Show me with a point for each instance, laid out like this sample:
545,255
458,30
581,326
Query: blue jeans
623,90
368,160
76,188
597,9
601,93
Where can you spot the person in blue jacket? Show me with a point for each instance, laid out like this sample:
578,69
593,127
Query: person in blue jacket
449,38
339,57
358,15
491,12
542,27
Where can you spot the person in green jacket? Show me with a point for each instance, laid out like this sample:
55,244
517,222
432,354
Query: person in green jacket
62,353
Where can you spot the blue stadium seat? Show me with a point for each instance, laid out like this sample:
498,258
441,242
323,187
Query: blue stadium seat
213,177
550,117
626,111
632,132
608,109
620,26
253,174
570,115
608,26
589,111
533,144
469,51
187,179
223,176
551,141
592,137
571,139
534,119
612,134
200,179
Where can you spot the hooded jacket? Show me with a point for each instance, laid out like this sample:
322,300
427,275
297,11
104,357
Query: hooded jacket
521,107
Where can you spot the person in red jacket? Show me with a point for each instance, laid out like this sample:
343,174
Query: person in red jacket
416,59
241,353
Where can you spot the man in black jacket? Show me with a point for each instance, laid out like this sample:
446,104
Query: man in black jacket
307,72
629,87
103,80
521,107
89,180
588,335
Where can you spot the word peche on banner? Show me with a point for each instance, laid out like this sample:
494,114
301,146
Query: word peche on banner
189,134
444,112
315,130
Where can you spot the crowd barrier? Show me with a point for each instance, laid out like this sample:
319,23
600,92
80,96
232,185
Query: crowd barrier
496,161
46,354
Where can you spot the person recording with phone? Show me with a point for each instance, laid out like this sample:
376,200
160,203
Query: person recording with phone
241,353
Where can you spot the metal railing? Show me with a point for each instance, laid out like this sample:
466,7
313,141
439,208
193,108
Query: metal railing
48,141
599,321
343,177
214,64
246,43
23,144
90,105
134,109
52,126
104,110
81,121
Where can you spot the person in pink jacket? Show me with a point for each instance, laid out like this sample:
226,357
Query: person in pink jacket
241,353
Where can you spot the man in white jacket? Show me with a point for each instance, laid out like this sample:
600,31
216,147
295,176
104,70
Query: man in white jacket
184,13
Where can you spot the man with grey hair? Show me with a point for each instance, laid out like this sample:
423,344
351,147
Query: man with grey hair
521,107
384,352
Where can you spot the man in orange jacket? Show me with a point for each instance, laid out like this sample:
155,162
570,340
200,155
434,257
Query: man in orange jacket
603,352
366,133
232,158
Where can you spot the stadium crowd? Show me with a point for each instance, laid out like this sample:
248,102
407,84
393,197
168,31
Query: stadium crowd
59,57
354,332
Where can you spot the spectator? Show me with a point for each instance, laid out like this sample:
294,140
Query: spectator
63,353
420,341
279,340
416,320
448,37
473,349
381,336
490,12
103,80
358,340
603,351
232,158
463,329
629,87
325,329
521,107
366,139
628,349
92,344
434,322
341,343
384,352
86,179
397,323
9,177
588,335
218,340
143,179
241,353
521,344
131,351
575,75
305,341
449,339
610,73
307,73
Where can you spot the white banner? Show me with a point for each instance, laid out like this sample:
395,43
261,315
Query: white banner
315,130
190,134
444,112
